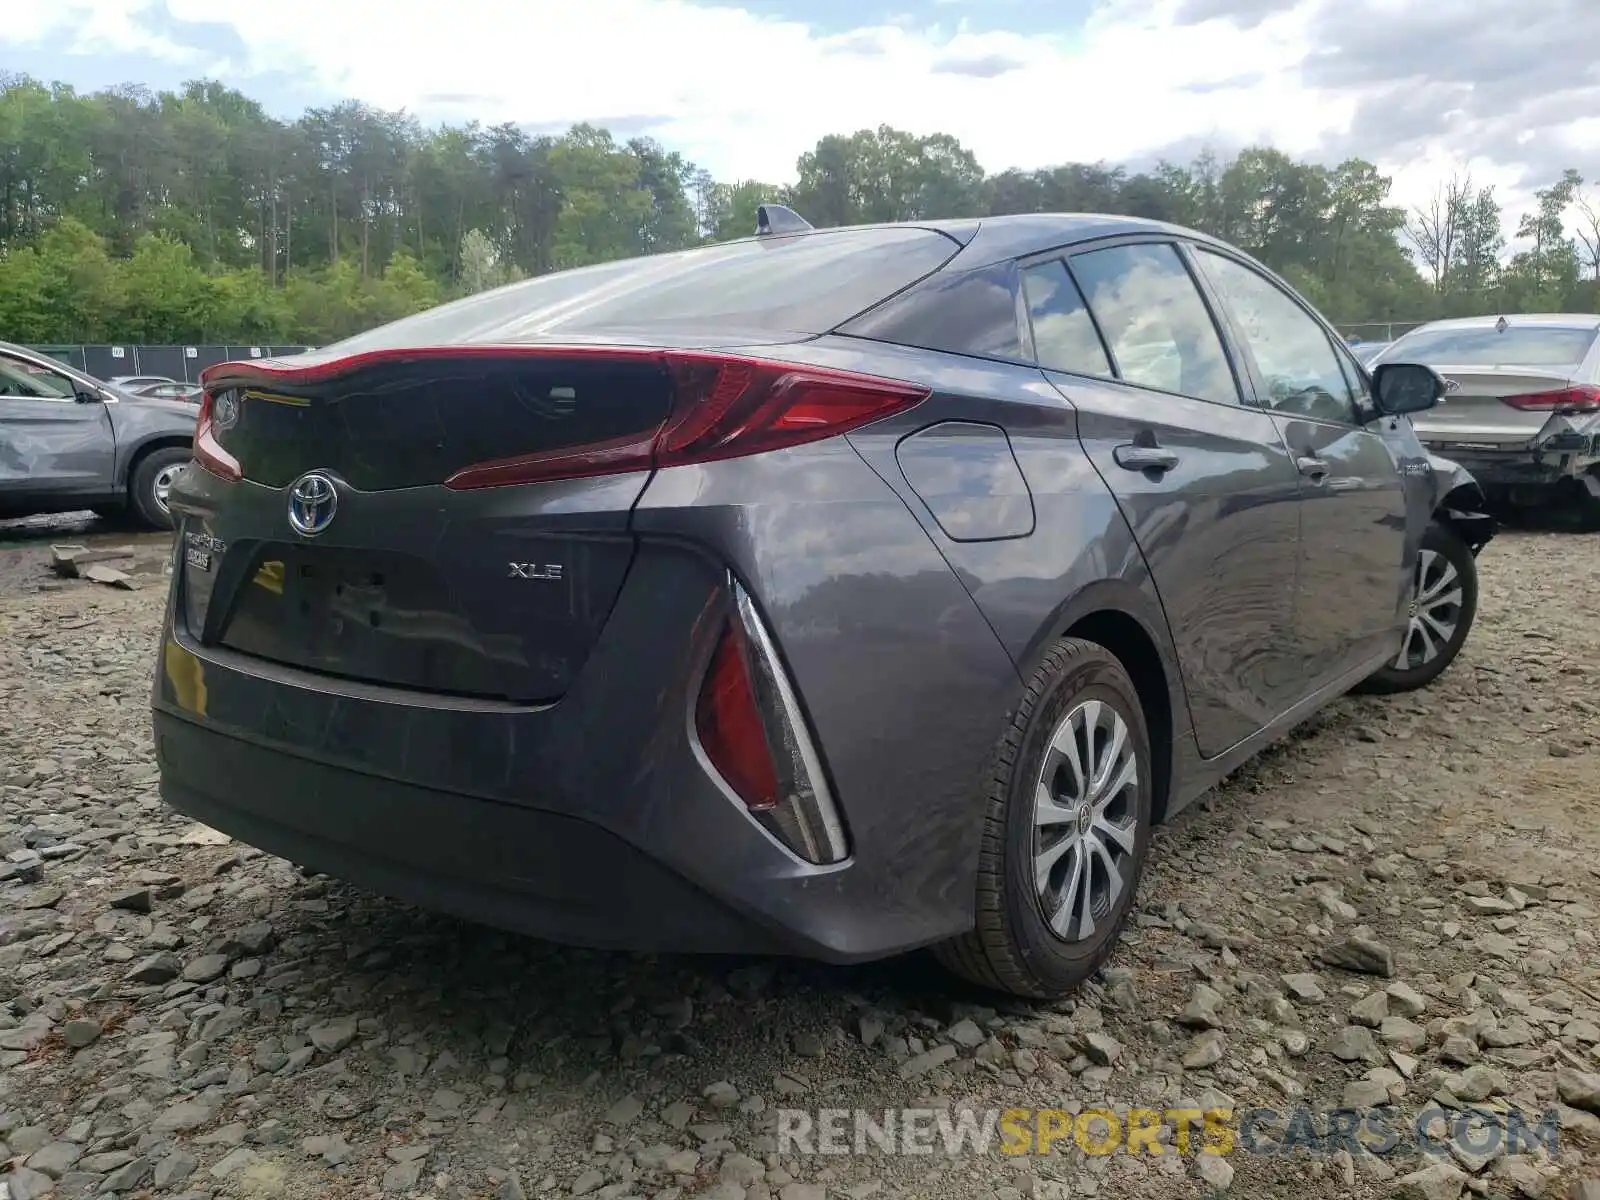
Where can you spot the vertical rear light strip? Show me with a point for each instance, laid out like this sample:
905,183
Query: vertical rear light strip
792,800
817,813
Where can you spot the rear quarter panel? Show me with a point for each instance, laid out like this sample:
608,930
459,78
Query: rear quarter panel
905,686
1077,558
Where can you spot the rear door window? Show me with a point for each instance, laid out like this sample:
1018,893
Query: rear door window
1155,322
1064,336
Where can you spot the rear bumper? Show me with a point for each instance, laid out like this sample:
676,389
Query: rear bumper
532,872
1521,468
1565,448
594,820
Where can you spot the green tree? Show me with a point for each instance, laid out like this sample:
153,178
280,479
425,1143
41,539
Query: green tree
64,288
1541,277
187,214
731,210
480,266
887,174
165,296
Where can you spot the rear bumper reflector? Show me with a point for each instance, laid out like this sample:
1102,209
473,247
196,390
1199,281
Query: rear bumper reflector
753,733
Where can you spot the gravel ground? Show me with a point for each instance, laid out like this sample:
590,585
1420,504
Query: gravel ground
1400,905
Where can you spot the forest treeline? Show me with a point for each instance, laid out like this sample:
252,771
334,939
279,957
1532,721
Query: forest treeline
195,216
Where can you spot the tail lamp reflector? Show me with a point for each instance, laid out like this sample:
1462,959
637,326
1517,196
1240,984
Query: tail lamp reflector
753,733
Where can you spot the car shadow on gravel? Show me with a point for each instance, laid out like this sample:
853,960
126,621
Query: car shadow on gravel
570,1012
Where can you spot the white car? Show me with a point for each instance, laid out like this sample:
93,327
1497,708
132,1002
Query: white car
1522,412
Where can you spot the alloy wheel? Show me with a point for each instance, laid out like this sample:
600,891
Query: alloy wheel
1085,818
1436,598
161,486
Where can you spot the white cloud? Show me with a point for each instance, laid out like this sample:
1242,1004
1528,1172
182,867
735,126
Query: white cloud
93,27
745,95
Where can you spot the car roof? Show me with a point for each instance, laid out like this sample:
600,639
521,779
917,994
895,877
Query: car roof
1514,320
987,240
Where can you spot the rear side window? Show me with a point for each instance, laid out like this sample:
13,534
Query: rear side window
972,313
1158,328
1064,337
763,287
1518,346
23,380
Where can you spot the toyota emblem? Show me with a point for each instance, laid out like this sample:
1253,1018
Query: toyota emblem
312,503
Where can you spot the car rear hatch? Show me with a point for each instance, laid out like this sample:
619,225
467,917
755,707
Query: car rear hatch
1501,408
483,460
420,579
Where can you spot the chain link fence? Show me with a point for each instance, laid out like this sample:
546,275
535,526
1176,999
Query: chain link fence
183,363
1378,331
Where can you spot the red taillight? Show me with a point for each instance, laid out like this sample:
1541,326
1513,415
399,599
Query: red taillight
730,725
723,407
1581,398
208,452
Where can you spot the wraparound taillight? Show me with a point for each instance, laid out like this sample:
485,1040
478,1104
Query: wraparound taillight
723,406
1580,398
208,452
754,735
717,406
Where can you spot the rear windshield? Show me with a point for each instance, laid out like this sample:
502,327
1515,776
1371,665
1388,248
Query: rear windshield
1525,346
767,287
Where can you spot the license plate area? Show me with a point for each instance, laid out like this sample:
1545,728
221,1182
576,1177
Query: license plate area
375,616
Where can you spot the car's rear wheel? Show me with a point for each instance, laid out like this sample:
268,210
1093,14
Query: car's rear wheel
1066,829
1444,601
153,476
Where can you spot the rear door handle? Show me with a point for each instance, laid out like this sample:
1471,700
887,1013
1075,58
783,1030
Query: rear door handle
1316,468
1144,458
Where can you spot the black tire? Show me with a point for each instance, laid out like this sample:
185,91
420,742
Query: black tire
1012,947
1447,544
1588,505
142,485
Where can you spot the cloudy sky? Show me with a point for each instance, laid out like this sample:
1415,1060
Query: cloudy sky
1423,87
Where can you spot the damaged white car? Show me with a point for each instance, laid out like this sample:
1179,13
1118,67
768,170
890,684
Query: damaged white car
1521,409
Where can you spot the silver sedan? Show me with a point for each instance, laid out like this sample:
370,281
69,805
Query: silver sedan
1522,410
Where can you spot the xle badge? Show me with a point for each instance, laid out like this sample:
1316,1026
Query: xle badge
535,571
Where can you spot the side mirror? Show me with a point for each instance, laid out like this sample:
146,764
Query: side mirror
89,396
1399,388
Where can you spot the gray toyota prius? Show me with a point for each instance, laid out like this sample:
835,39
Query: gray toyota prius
832,592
